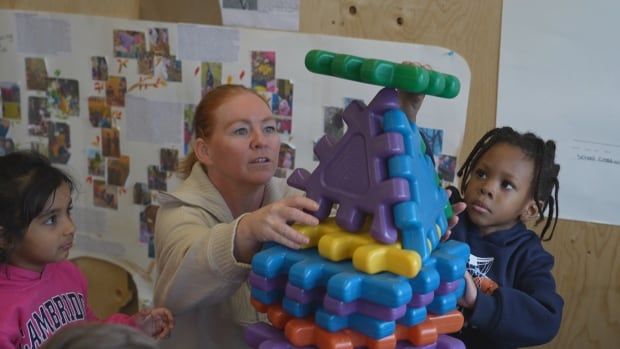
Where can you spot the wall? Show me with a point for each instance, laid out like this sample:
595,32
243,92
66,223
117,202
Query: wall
587,255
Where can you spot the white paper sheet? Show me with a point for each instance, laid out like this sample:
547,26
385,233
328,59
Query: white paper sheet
201,43
39,35
153,122
266,14
559,78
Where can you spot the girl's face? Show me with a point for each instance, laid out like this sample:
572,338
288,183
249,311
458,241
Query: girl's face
498,193
49,236
244,145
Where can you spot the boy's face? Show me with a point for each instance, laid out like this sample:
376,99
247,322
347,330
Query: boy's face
498,193
49,236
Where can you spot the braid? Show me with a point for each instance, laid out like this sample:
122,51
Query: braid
545,184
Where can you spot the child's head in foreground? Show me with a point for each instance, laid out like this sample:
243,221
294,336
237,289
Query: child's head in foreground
35,203
510,177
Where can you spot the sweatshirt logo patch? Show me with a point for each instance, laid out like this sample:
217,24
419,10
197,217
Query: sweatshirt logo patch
478,267
51,315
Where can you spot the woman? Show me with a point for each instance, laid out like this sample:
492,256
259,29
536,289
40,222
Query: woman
229,204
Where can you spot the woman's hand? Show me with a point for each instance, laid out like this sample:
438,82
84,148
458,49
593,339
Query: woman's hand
273,223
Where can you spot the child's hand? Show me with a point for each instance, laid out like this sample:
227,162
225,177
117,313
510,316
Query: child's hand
457,209
411,102
156,323
471,292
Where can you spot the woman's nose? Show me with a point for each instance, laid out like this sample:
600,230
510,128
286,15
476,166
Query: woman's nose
258,139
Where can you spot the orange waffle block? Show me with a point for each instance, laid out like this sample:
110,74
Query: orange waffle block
429,331
304,332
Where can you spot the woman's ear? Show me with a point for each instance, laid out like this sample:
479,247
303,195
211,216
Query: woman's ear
530,211
202,151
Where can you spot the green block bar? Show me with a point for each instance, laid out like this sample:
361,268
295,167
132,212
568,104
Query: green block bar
383,73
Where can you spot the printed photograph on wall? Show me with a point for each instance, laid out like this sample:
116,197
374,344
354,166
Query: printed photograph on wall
105,196
156,178
99,68
36,74
286,158
129,44
146,63
282,98
59,142
115,91
446,167
333,124
110,142
141,194
99,112
96,163
434,139
263,70
147,229
158,41
38,116
168,159
174,68
10,101
63,97
210,76
118,170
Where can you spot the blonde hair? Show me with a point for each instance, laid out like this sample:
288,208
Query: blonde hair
99,336
204,118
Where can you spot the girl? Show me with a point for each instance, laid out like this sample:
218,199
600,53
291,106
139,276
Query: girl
510,300
41,292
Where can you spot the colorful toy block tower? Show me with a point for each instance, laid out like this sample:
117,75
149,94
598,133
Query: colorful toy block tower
378,274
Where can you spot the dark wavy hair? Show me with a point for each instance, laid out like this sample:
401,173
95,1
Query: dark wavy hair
27,182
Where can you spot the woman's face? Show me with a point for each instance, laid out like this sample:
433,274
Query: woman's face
244,145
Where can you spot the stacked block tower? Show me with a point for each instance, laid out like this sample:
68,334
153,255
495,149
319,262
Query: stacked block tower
377,275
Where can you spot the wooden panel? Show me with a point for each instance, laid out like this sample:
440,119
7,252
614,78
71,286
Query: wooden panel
587,255
111,8
187,11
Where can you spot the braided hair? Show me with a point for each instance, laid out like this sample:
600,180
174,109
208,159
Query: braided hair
545,184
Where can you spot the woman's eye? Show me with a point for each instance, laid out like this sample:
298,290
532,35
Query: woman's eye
241,131
270,129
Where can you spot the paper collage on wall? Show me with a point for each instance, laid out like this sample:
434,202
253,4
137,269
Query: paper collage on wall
115,107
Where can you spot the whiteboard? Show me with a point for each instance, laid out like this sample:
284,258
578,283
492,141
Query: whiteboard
153,112
559,77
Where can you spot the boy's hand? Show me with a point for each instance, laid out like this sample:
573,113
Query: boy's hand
156,323
471,292
457,209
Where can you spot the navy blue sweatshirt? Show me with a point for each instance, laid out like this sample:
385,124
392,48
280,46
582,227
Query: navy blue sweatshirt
517,304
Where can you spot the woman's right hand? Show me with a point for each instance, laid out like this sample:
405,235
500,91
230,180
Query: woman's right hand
272,223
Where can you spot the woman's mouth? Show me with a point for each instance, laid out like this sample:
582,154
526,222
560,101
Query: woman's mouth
260,160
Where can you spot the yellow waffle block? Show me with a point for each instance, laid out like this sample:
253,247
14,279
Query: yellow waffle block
367,255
